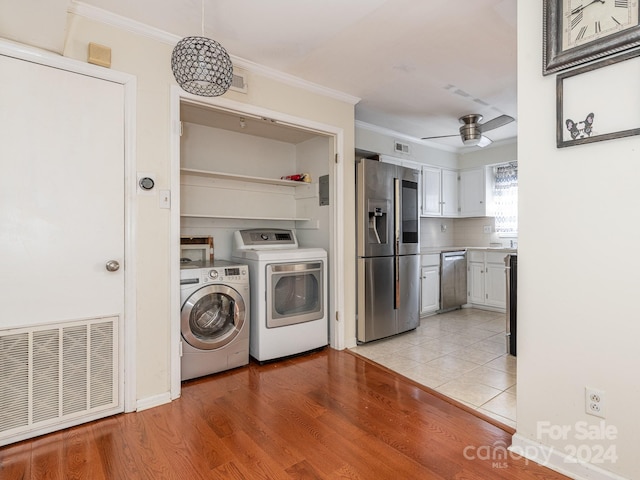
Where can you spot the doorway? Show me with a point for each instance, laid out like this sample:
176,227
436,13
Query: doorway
317,226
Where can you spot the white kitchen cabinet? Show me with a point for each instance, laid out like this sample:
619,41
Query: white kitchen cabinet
439,192
486,280
476,192
430,284
475,282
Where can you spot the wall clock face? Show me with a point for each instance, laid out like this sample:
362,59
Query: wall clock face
585,21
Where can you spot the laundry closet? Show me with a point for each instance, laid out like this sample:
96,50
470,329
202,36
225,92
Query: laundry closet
255,225
230,178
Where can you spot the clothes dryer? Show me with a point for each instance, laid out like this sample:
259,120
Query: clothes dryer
214,317
289,293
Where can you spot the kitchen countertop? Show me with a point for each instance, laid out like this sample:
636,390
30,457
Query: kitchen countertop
438,250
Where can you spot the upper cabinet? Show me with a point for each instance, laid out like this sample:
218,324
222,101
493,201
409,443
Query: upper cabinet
439,192
475,192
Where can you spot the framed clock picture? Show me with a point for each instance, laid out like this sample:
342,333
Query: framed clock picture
578,31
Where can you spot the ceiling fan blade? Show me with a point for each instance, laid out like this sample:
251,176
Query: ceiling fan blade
484,141
496,122
441,136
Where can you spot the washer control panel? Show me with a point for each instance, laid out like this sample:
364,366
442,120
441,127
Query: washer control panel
222,274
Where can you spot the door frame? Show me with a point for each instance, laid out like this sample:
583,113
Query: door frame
127,334
336,272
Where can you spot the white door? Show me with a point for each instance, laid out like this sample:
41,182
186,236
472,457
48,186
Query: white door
431,191
62,217
449,193
475,282
61,195
430,289
496,285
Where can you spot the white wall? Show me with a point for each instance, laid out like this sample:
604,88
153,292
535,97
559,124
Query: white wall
578,272
214,149
501,153
379,141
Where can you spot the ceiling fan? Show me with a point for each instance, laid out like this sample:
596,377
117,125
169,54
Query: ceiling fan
472,130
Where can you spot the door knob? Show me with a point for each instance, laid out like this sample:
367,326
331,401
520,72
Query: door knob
112,266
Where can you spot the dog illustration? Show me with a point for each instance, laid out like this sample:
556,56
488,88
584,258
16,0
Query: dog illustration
580,129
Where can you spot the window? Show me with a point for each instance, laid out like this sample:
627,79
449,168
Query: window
505,196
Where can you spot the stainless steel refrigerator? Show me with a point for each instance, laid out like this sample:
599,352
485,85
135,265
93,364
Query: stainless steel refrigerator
388,249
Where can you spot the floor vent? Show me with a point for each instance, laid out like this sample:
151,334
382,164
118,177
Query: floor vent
54,373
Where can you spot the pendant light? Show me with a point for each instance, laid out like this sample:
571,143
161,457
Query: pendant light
202,66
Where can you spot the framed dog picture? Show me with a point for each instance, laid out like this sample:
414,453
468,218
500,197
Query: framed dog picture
595,103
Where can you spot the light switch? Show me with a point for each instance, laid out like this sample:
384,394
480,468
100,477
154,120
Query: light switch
165,198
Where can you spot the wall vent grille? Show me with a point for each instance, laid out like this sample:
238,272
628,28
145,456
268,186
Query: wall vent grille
239,83
401,147
52,373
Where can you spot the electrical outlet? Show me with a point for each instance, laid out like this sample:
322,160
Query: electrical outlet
594,402
487,228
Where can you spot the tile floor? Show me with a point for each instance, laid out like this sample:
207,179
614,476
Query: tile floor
461,354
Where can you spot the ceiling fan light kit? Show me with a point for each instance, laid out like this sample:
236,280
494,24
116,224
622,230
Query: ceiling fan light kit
471,131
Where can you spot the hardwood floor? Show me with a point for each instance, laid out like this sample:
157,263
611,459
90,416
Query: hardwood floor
326,415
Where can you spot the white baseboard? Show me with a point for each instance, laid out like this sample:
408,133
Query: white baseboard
155,401
559,461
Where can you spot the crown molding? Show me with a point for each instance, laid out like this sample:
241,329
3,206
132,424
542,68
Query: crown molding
103,16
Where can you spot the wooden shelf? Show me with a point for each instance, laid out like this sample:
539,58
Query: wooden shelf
240,178
238,217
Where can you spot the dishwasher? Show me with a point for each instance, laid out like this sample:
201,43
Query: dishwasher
453,280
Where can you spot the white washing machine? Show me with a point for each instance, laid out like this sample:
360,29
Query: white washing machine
214,317
289,293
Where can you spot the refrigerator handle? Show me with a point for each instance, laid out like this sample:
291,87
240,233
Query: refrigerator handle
396,207
396,297
396,220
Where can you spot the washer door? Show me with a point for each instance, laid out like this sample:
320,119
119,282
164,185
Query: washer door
212,317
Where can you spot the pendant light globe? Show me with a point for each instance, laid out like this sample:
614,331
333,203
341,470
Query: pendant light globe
201,66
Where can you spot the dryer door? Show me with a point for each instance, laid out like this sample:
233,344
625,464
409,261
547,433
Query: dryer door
212,317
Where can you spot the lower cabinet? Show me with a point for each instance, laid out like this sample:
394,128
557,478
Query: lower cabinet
430,284
486,280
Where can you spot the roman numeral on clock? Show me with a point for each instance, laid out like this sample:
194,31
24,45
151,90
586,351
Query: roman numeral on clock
597,27
581,33
622,3
576,20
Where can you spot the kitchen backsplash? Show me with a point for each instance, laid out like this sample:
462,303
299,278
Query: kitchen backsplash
460,232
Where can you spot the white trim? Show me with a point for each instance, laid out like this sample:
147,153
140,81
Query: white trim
174,232
128,332
138,28
154,401
337,254
556,460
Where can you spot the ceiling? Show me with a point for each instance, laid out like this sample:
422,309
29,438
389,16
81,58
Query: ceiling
416,65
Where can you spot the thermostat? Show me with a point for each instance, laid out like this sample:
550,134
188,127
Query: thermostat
146,183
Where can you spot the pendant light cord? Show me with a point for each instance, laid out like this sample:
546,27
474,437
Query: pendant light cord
202,18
